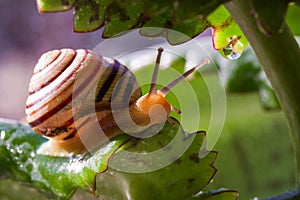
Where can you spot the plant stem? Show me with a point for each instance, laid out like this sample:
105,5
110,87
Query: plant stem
280,56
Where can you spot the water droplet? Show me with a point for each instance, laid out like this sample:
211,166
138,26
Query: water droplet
2,135
12,151
234,48
230,53
19,150
32,154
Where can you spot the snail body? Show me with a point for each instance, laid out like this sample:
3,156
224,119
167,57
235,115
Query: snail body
68,87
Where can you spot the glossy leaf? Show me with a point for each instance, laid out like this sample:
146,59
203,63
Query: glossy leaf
183,178
19,161
184,175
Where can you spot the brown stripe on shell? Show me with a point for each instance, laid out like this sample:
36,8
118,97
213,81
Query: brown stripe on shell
53,73
50,112
107,85
61,106
116,74
127,90
119,84
46,59
62,83
46,71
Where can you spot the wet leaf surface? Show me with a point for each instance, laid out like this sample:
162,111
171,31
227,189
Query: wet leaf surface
184,175
227,36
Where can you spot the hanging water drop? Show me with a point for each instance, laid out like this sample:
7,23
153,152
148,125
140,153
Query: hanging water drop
234,48
2,135
230,53
32,154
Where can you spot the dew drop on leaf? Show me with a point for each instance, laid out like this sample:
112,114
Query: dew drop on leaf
234,48
2,135
32,154
230,53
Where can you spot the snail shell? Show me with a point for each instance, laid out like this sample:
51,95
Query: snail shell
52,89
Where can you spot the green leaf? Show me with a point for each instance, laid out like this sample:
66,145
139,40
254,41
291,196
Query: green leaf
176,172
184,177
54,5
187,17
227,36
18,145
122,16
87,16
292,19
19,161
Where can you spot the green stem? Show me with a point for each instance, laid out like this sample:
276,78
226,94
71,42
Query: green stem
280,56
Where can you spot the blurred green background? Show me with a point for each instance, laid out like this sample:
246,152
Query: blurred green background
255,153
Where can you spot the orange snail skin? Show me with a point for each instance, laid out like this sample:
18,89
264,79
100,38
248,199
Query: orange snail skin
52,91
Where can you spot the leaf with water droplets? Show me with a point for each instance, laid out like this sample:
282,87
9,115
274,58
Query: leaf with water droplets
87,16
185,175
187,17
19,161
227,36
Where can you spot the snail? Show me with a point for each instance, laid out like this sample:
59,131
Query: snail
62,77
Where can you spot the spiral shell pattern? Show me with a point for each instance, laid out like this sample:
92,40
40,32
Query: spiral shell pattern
63,76
51,89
